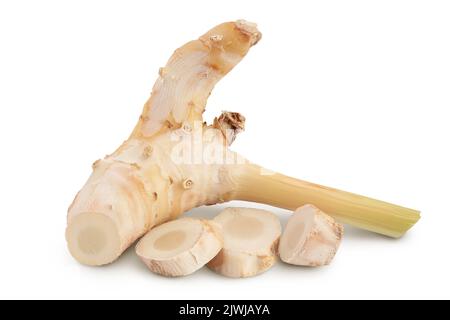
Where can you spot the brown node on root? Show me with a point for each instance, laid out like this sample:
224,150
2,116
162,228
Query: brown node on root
230,125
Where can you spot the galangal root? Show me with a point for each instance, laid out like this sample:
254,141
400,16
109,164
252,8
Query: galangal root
154,177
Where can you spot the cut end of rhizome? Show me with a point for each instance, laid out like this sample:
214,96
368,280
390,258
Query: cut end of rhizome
249,28
93,239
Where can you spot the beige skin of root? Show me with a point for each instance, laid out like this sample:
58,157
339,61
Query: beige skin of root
180,247
311,238
142,184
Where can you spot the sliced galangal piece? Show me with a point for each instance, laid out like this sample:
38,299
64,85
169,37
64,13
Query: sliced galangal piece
180,247
250,240
311,238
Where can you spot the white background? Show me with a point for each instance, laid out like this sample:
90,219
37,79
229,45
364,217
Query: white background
350,94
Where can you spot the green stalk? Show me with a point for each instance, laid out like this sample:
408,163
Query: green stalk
289,193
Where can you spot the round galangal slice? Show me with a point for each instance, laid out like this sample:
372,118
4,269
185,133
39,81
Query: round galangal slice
180,247
250,241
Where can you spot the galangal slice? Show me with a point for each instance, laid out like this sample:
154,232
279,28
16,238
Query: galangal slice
180,247
250,240
311,238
